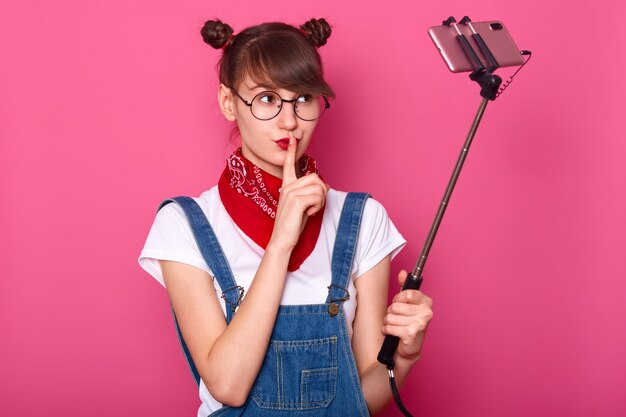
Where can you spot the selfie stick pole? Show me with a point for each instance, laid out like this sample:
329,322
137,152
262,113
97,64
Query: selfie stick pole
489,84
414,280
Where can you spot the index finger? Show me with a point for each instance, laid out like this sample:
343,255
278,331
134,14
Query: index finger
289,166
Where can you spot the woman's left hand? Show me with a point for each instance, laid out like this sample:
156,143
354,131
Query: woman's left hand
407,318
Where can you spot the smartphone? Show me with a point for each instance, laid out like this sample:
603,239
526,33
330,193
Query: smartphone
494,34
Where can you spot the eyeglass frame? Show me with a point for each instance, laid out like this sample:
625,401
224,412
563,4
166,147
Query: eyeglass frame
282,100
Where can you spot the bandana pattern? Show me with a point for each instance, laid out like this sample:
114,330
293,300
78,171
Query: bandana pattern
254,187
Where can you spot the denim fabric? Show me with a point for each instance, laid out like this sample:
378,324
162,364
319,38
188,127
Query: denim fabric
309,367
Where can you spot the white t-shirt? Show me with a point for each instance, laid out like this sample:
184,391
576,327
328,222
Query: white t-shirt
171,238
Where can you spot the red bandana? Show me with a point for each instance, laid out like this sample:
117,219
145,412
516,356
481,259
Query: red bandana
250,196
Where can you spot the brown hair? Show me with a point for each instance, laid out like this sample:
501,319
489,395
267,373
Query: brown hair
272,53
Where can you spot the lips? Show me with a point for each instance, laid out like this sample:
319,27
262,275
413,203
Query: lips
286,140
284,143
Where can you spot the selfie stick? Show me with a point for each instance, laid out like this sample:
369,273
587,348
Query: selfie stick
489,84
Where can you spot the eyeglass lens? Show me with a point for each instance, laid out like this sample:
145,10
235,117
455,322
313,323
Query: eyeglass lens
267,105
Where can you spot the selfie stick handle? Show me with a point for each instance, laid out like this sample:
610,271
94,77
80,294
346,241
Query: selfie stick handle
414,280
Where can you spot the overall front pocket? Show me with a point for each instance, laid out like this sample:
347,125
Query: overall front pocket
297,374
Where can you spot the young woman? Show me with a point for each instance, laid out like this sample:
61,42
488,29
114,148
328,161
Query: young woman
279,282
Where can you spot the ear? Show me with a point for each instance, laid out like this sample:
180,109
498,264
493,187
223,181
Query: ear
226,101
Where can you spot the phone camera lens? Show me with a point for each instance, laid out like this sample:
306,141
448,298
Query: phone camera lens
495,26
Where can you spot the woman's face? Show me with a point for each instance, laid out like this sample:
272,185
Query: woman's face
261,139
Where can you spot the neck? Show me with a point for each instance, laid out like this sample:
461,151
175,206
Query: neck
275,170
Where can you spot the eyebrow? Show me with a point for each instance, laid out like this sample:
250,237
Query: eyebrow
267,86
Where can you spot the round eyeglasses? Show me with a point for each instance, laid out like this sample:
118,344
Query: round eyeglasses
267,104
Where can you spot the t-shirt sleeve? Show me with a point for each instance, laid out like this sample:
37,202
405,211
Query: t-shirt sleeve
170,238
378,237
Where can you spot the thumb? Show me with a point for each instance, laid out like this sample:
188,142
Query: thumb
402,277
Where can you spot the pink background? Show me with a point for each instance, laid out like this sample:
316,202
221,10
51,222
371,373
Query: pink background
106,108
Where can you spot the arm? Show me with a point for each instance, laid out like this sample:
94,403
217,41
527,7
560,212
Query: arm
229,358
407,317
215,347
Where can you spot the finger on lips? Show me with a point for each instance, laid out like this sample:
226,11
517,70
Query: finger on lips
309,190
289,166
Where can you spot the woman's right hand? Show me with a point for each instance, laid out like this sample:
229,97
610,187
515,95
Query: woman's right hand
299,198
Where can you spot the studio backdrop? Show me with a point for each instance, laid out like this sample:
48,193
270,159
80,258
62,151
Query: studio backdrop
107,108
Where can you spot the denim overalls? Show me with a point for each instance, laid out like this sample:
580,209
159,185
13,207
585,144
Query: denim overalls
309,367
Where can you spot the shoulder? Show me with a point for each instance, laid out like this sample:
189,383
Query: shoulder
172,212
171,237
373,209
378,236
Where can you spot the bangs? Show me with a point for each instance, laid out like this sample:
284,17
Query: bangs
278,61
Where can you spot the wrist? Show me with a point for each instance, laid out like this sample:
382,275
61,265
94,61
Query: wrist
278,247
403,362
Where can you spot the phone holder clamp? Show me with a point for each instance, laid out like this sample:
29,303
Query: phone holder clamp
489,83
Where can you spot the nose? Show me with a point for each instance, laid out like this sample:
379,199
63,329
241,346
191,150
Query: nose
287,118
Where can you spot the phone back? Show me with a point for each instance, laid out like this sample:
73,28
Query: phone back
495,35
445,39
500,43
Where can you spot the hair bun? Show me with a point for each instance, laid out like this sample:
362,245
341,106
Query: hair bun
216,33
317,30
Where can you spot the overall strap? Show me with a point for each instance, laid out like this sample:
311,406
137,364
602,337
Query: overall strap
214,257
345,245
211,252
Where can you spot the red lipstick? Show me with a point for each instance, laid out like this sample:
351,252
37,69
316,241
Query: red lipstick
284,143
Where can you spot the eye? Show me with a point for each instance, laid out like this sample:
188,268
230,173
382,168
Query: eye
267,98
305,98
